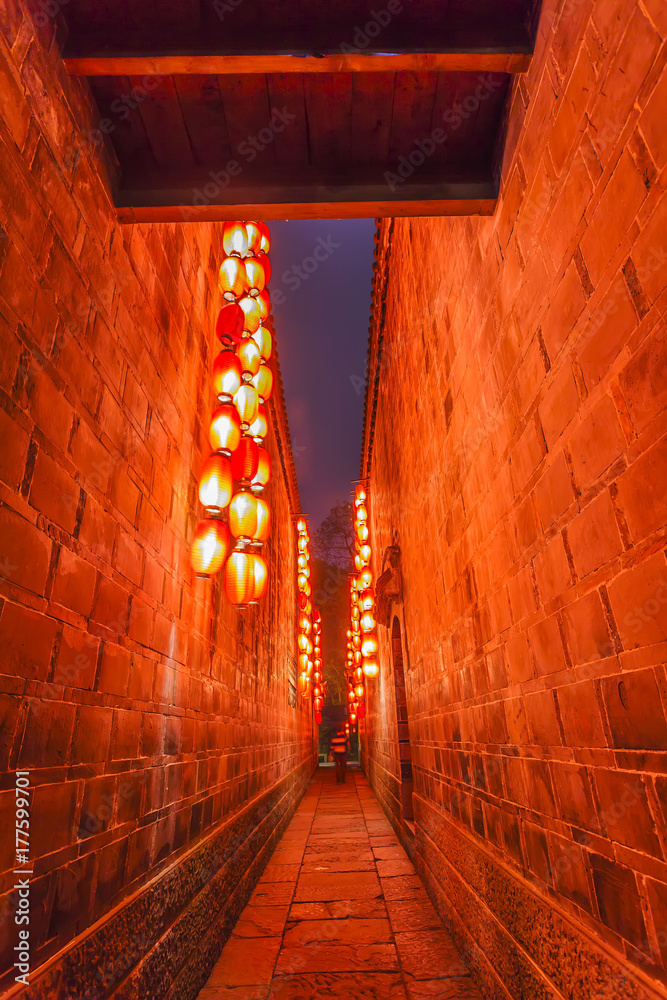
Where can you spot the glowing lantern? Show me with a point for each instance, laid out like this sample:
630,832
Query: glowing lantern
264,340
259,428
209,547
302,684
365,553
318,718
371,667
362,513
362,533
246,401
230,323
215,483
263,528
258,272
365,579
254,235
359,691
369,643
260,575
263,470
239,578
367,622
265,240
305,624
318,704
232,280
245,460
252,313
263,382
243,515
350,695
264,306
235,239
367,600
225,431
226,375
248,354
352,717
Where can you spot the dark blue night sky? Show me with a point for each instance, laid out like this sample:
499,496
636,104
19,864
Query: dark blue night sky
321,274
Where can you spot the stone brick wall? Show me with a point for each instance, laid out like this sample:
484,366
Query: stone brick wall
516,449
153,718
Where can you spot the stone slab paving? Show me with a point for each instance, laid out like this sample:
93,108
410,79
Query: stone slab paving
339,913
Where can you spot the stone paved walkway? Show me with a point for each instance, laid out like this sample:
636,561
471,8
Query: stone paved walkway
339,913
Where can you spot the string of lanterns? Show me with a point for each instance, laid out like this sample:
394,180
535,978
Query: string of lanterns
362,640
233,478
309,626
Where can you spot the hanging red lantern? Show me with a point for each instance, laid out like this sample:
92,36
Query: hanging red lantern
248,354
260,575
259,428
258,272
263,528
369,645
232,279
302,600
318,718
263,382
239,578
263,470
361,711
318,704
265,240
367,621
246,401
226,375
225,430
243,515
367,600
209,547
264,305
245,460
370,666
254,235
252,313
235,239
359,691
215,483
230,323
264,340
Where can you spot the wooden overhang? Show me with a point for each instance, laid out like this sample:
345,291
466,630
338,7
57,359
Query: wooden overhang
213,109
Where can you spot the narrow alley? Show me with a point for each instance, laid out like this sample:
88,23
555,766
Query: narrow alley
339,912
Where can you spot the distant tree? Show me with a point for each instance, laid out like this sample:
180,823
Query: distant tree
333,541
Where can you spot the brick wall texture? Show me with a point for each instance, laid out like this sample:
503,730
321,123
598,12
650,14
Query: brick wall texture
519,460
149,713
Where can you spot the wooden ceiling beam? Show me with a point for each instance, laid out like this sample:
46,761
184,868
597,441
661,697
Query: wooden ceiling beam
304,200
104,63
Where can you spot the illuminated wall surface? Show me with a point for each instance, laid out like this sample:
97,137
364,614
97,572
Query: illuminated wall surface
155,722
519,462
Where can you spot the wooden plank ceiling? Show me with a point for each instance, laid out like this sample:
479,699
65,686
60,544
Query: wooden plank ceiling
300,109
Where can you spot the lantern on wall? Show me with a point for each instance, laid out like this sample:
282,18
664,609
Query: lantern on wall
215,483
209,547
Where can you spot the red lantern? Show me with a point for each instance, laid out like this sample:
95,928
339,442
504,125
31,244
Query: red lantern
369,645
258,272
215,483
235,238
232,279
367,600
254,237
239,578
264,340
252,313
260,575
263,470
352,717
263,382
243,515
263,528
302,601
245,460
246,401
265,240
225,431
264,304
318,704
209,547
259,427
361,711
318,718
248,354
230,323
370,666
226,375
